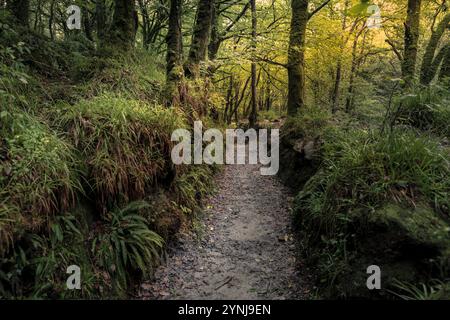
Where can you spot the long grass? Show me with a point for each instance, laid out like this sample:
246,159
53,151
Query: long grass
125,143
39,174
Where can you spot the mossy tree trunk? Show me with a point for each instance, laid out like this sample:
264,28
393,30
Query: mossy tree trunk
100,13
174,42
431,61
50,19
445,68
296,56
253,111
200,38
218,37
412,25
124,24
21,11
86,22
214,43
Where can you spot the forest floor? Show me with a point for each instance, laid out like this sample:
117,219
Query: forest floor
243,247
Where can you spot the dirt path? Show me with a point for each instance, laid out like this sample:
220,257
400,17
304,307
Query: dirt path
246,251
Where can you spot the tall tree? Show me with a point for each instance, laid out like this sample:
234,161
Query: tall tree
124,24
296,56
100,14
412,25
296,53
217,36
174,42
200,37
445,69
21,11
431,60
353,70
253,111
337,79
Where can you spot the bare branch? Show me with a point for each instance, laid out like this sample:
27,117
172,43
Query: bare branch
394,48
319,8
275,63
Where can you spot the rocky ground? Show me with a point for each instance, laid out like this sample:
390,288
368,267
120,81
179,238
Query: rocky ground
243,247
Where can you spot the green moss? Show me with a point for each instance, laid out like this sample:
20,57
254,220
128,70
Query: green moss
421,224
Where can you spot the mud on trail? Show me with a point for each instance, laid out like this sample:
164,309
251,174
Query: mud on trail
246,250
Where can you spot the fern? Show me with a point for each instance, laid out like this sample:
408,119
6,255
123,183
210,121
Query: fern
127,244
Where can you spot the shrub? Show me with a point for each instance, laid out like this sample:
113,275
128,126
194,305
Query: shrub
38,178
126,145
371,196
134,76
309,122
425,109
125,244
192,185
362,169
36,267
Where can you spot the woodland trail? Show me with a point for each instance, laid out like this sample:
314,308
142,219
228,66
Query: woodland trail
246,250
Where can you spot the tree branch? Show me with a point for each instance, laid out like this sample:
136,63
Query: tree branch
318,8
394,48
260,59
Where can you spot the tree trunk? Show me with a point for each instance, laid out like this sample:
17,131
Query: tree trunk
268,102
412,25
445,68
296,56
50,20
253,117
214,43
337,80
349,99
216,38
229,101
100,14
124,24
427,71
21,11
86,22
238,100
336,89
174,43
200,38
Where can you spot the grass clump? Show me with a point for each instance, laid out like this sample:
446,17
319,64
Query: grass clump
425,109
125,143
135,76
373,198
309,122
192,185
366,169
38,178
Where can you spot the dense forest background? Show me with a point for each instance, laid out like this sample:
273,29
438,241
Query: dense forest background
360,90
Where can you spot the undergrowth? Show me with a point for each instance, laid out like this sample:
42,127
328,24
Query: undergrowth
372,198
125,143
39,175
86,177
